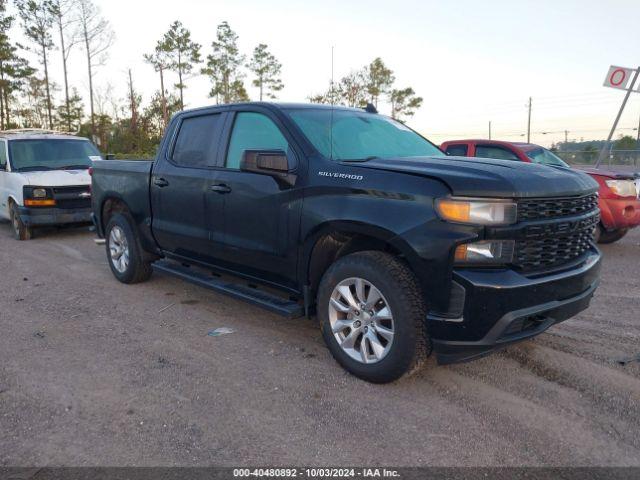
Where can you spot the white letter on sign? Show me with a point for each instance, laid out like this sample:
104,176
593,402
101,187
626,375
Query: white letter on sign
618,77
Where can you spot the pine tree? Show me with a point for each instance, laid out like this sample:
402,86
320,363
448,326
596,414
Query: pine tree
37,21
14,70
183,54
70,113
267,69
223,67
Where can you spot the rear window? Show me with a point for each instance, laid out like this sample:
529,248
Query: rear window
197,141
499,153
457,150
51,154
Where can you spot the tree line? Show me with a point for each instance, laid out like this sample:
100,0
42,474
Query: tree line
29,96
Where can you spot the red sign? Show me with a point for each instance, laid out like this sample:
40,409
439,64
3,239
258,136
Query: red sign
619,77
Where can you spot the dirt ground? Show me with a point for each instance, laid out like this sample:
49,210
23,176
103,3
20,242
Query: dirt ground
96,373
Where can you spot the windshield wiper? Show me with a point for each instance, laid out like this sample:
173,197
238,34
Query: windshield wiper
73,167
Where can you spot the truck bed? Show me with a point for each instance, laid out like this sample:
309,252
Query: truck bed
127,180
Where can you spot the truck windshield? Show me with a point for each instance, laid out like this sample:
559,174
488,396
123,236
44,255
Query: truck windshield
51,154
349,135
546,157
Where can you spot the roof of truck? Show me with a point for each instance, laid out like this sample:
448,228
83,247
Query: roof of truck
36,134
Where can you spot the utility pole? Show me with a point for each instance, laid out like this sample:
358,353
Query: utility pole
529,123
603,152
566,136
489,129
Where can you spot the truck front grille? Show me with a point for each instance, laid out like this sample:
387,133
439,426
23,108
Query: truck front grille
558,242
74,197
542,208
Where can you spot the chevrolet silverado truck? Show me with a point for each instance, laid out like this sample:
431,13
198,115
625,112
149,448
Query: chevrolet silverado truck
347,214
619,194
44,179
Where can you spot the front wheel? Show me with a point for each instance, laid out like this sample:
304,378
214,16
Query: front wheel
125,255
373,315
603,236
20,230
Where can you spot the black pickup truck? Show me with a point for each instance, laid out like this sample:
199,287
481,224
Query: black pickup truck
349,215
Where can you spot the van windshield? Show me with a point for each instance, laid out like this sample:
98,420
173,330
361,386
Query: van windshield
51,154
349,135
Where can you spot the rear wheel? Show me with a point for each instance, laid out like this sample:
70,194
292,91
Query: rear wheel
373,316
125,255
20,230
603,236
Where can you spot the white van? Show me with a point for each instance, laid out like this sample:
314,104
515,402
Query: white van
44,179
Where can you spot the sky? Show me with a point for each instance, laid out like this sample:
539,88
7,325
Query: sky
472,62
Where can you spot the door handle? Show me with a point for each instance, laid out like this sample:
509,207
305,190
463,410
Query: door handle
220,188
160,182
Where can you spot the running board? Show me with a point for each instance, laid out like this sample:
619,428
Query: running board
282,306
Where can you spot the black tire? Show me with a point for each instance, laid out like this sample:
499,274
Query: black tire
137,269
604,237
20,230
411,344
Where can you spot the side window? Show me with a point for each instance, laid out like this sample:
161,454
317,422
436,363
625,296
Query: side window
457,150
3,153
197,144
495,152
253,131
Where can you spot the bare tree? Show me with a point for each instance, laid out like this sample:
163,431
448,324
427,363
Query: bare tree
160,62
97,36
37,21
63,13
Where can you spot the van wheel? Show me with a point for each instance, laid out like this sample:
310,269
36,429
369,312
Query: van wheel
602,236
373,316
20,230
125,255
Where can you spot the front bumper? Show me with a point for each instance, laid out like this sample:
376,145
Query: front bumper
502,307
619,214
40,217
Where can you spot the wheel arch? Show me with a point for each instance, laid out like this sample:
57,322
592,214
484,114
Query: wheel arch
334,240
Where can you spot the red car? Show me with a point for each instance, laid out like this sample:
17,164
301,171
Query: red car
619,203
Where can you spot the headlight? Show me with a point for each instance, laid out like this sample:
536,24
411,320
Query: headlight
477,212
490,252
623,188
39,193
38,197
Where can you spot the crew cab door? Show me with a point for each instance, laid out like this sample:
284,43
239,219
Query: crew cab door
180,185
261,213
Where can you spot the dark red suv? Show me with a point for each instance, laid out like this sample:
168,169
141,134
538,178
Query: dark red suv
619,203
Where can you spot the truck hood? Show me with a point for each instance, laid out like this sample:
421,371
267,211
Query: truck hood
57,178
480,177
608,172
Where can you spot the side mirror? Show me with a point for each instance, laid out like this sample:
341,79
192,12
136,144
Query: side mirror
268,162
265,161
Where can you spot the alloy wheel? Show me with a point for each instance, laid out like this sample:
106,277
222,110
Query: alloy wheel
119,249
361,320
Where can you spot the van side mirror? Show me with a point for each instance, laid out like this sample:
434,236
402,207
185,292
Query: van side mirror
274,163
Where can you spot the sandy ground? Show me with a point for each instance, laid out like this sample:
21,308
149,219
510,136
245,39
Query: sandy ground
93,372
